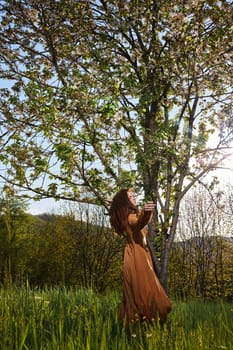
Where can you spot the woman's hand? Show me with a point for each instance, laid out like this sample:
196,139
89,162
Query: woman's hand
149,206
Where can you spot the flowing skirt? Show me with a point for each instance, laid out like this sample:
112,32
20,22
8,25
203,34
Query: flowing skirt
143,296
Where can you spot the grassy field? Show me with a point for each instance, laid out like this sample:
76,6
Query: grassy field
59,319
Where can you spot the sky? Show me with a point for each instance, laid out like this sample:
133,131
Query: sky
49,206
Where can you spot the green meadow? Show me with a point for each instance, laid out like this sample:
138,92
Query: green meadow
62,319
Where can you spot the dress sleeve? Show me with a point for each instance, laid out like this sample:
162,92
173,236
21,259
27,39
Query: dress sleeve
138,221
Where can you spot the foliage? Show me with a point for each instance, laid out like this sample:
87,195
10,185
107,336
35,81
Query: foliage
15,226
105,94
201,267
201,259
59,318
76,248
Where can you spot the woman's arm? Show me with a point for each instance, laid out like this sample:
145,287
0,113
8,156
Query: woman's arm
137,222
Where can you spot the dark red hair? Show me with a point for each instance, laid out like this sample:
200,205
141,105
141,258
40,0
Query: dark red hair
120,208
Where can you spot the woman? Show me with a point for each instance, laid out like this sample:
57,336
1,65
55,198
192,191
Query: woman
143,296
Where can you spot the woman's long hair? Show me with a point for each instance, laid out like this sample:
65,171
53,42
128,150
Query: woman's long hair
120,208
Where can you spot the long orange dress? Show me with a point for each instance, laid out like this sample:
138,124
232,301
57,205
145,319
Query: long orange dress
143,296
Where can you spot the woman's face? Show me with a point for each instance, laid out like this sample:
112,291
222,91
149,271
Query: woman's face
132,197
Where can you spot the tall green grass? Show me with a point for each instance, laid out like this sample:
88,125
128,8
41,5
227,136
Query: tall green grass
61,319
